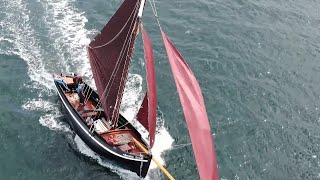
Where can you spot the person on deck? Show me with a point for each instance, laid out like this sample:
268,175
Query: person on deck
76,79
80,93
63,84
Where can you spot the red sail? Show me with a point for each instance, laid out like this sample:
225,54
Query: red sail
110,55
147,112
194,111
142,115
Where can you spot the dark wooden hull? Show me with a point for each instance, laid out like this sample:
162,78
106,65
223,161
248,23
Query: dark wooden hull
137,164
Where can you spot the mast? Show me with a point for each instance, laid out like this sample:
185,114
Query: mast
141,8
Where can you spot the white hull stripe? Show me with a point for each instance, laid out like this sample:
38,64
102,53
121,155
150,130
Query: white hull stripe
66,106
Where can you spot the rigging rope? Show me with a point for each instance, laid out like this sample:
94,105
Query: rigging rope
111,80
124,75
155,12
86,93
123,125
115,37
105,93
178,146
126,45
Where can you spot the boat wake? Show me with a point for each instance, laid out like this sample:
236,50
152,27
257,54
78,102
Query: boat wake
52,114
132,100
22,38
67,29
63,26
123,173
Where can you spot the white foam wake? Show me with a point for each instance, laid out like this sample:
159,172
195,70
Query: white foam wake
19,34
131,101
50,119
17,23
68,35
123,173
67,28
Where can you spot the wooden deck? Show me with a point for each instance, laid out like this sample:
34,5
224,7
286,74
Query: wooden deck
120,138
75,102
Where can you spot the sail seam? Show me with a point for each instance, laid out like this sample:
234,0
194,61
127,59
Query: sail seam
127,64
117,35
115,69
112,76
125,46
107,88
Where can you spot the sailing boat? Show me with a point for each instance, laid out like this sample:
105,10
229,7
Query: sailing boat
98,121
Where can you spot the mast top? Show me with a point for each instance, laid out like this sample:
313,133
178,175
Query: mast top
141,8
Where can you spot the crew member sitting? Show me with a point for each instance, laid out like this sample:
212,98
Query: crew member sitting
76,79
62,83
